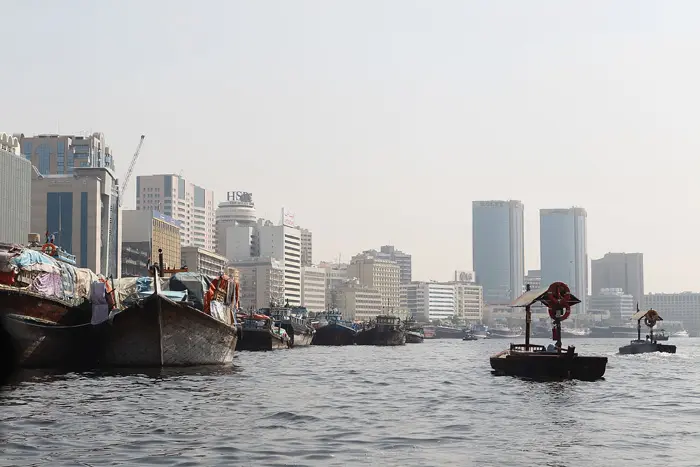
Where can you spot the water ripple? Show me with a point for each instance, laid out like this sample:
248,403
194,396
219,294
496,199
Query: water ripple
430,404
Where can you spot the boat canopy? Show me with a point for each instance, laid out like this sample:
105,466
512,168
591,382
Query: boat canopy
533,296
652,314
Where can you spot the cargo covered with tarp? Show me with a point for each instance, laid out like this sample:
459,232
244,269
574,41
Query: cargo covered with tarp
196,285
129,290
32,270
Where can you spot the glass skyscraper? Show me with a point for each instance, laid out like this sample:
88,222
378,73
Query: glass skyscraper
564,250
498,246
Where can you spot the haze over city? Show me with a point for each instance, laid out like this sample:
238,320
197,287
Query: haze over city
382,129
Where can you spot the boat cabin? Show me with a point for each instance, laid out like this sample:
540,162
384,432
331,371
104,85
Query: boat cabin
388,322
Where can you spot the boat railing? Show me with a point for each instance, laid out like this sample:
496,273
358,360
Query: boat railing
528,347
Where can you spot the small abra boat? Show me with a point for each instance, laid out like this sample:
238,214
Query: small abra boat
386,330
535,361
650,344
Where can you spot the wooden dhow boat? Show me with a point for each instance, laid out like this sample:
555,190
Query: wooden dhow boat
331,330
385,330
650,344
259,333
537,362
166,329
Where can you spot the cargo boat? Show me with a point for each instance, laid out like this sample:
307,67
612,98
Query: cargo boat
385,330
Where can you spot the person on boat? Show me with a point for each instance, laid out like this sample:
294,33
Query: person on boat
551,348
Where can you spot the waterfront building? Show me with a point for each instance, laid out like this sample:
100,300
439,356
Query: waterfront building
203,261
427,301
15,191
82,211
143,234
469,297
563,250
237,210
186,202
389,252
498,253
683,307
54,154
616,302
264,239
357,302
313,288
306,247
533,278
261,282
619,270
378,274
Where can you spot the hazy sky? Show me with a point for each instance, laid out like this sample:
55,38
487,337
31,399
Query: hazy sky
379,122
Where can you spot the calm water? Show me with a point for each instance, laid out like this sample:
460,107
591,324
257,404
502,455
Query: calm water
426,404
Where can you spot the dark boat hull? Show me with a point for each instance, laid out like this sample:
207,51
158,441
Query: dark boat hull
646,347
255,340
52,346
413,338
159,332
374,336
300,336
20,302
334,334
442,332
545,366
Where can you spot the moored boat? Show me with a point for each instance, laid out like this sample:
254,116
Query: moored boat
469,336
448,332
48,345
294,320
259,333
429,332
167,328
479,331
650,344
414,332
332,330
536,361
681,333
385,330
504,332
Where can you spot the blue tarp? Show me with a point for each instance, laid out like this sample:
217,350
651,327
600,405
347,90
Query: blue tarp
30,257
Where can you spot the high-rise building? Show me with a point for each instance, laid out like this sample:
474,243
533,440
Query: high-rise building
306,248
498,245
404,261
15,191
619,270
313,288
261,282
54,154
379,274
336,276
280,242
82,211
563,250
428,301
238,209
143,234
203,261
190,204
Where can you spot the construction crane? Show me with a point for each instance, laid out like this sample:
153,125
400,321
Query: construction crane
122,189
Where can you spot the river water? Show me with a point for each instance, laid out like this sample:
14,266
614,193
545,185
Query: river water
435,403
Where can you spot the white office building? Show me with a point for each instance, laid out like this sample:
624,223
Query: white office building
190,204
261,282
427,301
313,288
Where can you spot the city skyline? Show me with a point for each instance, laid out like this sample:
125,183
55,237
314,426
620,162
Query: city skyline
487,113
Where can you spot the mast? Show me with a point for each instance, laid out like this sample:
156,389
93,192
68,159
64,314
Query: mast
528,320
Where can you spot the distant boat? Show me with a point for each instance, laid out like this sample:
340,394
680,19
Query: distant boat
650,317
429,332
448,332
503,332
681,333
384,330
330,329
479,331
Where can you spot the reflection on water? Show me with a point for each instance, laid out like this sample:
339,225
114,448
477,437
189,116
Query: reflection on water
428,404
